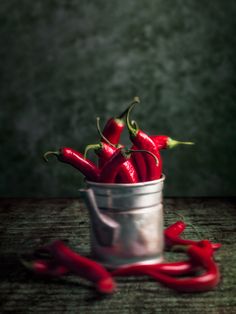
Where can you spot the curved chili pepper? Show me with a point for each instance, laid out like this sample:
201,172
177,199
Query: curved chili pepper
172,269
138,159
112,167
83,267
114,126
126,173
106,152
201,256
172,236
77,160
203,282
103,150
142,141
139,163
164,141
113,129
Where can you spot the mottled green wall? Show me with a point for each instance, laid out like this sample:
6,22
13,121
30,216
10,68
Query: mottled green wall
62,63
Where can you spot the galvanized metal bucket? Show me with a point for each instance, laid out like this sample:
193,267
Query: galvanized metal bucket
126,222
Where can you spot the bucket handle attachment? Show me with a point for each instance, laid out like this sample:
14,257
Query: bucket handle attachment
105,229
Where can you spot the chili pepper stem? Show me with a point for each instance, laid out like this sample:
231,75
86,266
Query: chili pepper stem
172,143
91,146
123,114
132,127
45,156
135,124
143,151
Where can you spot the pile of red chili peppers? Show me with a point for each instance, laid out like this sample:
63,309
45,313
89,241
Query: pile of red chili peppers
116,164
197,273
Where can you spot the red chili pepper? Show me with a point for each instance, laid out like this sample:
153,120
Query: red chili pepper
105,153
45,268
139,163
83,267
112,167
113,129
173,269
138,159
103,150
164,141
173,231
176,228
114,126
126,173
77,160
172,236
203,282
142,141
199,255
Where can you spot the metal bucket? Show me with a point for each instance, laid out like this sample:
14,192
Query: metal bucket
126,222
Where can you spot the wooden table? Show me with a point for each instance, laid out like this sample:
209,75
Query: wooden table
26,223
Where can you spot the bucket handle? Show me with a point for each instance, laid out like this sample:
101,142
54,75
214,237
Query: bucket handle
104,228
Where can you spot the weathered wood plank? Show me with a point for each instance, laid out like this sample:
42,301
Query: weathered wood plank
26,223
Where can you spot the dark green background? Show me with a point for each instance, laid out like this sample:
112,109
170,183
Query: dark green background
62,63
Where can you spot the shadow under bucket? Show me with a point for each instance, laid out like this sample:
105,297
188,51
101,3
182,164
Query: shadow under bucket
126,222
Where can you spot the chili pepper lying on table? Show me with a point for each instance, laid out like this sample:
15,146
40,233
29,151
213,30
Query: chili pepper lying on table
201,256
175,268
172,269
204,282
70,261
172,236
77,160
64,260
142,141
48,268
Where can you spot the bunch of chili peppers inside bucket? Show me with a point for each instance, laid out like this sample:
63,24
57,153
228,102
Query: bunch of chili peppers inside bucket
140,162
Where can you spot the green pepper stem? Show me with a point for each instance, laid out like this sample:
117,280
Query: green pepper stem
124,113
172,143
45,156
91,146
144,151
132,129
135,124
100,133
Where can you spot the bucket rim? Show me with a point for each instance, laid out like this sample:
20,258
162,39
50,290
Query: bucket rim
114,185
